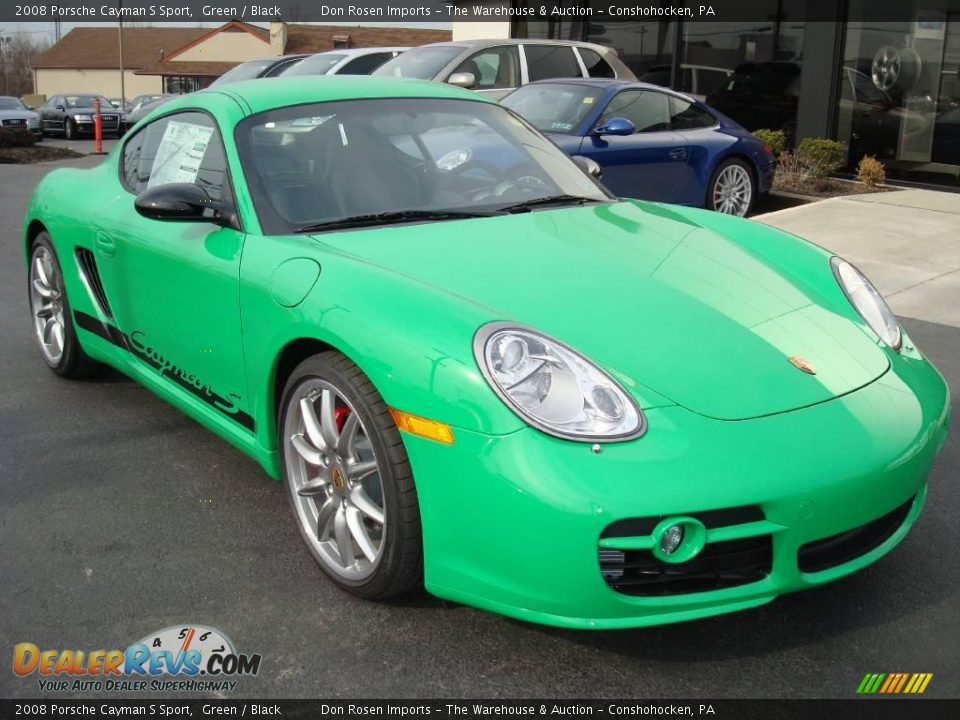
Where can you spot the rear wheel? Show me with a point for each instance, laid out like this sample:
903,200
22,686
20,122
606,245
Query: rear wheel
349,480
731,189
50,311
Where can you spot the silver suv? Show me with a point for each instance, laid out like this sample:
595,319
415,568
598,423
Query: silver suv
495,67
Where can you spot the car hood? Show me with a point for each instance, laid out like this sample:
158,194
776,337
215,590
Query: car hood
658,300
17,115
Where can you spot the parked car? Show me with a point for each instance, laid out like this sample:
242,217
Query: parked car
495,67
120,104
72,115
358,61
651,143
141,109
14,114
141,99
761,95
512,388
694,80
264,67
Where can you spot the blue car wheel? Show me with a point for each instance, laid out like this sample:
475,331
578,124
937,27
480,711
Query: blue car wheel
732,188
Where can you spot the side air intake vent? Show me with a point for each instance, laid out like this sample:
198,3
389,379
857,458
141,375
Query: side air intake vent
91,277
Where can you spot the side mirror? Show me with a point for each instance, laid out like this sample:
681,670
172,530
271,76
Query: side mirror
591,167
60,107
616,126
463,79
181,201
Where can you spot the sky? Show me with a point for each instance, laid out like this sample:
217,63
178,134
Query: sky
45,29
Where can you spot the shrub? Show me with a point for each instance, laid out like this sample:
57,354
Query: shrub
793,170
824,156
16,137
871,172
776,139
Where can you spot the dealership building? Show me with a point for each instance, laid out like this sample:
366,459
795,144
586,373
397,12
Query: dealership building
883,77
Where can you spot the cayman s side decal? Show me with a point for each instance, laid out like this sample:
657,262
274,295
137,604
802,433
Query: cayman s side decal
136,345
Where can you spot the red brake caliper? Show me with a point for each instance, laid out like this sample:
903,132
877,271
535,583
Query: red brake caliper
340,415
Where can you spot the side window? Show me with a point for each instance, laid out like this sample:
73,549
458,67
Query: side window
684,116
365,64
494,68
596,66
647,110
545,62
54,101
184,147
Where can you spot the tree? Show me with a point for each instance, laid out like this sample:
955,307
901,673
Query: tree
17,59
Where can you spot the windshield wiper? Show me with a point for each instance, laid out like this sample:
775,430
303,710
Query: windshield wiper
386,218
549,200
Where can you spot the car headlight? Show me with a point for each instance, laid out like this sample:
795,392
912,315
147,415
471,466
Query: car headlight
83,118
868,302
554,388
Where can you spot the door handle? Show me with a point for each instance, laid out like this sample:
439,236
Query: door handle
106,245
678,154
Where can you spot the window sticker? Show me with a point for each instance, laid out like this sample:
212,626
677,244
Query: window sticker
588,100
180,153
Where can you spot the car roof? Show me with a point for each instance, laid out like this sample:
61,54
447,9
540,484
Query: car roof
357,52
283,91
608,83
496,42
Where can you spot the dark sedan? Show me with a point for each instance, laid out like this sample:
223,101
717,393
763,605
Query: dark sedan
72,115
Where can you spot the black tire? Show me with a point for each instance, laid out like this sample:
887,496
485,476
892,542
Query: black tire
400,567
710,203
69,129
74,363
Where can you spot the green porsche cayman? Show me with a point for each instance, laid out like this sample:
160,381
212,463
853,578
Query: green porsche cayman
476,370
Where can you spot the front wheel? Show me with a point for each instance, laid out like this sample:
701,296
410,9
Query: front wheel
50,311
349,480
69,129
731,189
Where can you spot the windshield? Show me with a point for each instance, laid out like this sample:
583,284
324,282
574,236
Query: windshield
245,71
554,107
85,101
11,103
315,64
421,63
326,162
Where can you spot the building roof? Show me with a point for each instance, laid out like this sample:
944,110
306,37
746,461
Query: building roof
319,38
98,47
187,68
153,50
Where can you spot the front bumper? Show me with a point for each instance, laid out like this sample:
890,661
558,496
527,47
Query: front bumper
513,523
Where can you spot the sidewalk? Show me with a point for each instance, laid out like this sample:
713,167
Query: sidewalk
906,241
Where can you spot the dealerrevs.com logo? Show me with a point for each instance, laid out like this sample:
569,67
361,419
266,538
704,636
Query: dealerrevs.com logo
189,658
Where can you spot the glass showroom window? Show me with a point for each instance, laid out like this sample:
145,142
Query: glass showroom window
748,70
900,89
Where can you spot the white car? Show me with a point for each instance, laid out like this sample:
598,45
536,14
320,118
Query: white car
358,61
14,114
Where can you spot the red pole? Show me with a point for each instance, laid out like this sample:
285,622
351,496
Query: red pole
97,126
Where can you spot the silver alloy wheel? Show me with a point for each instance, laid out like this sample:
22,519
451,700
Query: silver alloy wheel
46,304
334,478
733,191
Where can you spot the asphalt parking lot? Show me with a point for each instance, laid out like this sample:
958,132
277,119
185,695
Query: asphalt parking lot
120,516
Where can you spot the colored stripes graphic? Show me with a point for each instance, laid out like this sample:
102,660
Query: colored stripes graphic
894,683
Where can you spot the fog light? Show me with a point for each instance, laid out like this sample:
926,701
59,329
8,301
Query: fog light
678,539
671,539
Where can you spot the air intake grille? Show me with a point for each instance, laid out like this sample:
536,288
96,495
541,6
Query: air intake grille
721,564
88,268
846,546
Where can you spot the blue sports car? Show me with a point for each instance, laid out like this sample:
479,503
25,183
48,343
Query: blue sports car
651,143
